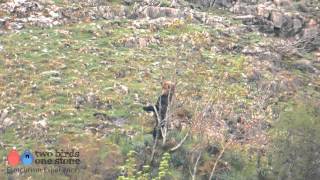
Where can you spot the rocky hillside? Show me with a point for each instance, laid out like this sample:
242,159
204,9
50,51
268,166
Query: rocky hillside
76,74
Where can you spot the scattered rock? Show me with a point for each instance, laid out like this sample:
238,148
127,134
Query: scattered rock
14,25
25,9
245,17
243,8
210,3
282,2
222,3
139,42
54,14
109,12
120,74
254,76
263,11
317,55
3,114
304,65
273,17
310,40
128,2
79,101
1,47
122,89
278,19
249,50
248,19
42,124
312,23
91,100
153,12
264,25
102,116
52,73
297,25
56,79
136,97
7,122
117,121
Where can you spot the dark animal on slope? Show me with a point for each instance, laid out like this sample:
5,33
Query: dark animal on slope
161,107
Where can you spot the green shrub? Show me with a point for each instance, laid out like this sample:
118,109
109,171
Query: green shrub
296,143
130,170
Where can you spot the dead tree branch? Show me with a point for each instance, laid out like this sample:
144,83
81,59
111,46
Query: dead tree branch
181,142
218,159
196,166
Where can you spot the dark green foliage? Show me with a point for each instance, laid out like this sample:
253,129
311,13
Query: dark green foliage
297,142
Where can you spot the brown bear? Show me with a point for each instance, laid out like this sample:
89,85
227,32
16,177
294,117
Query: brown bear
161,107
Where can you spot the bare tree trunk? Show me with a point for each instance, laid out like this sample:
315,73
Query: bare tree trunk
196,166
181,142
157,134
218,159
